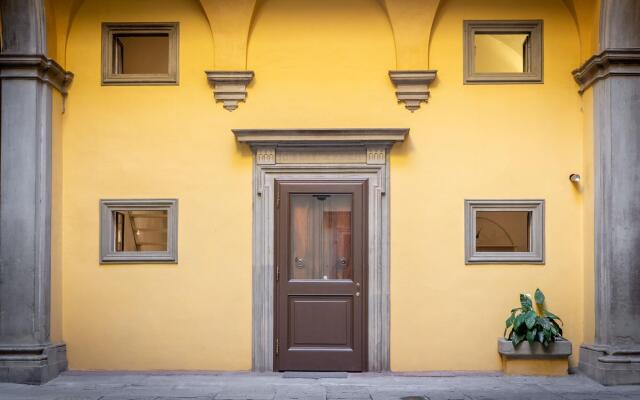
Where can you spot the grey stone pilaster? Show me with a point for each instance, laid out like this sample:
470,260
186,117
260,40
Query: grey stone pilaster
27,78
614,76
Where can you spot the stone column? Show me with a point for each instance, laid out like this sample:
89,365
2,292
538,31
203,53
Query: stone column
614,76
27,78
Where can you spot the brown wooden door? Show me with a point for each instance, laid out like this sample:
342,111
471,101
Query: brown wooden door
321,276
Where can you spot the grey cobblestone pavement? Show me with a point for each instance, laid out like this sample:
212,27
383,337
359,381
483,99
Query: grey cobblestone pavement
250,386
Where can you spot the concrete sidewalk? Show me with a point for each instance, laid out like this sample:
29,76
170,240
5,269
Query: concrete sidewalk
244,386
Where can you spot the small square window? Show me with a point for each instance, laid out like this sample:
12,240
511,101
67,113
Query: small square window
504,231
140,54
136,231
503,51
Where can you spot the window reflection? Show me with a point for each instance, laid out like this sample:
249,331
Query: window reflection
141,54
501,53
321,236
503,231
140,230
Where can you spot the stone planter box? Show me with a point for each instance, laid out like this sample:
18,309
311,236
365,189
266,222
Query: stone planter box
535,359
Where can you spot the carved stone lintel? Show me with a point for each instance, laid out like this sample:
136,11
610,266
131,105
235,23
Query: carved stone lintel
230,87
16,66
376,155
265,155
412,87
314,137
610,62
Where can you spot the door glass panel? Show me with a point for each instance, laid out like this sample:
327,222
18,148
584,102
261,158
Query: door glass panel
321,237
503,231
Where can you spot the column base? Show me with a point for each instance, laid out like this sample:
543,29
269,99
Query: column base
32,365
610,366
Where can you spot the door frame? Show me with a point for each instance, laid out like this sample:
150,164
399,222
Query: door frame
336,186
320,154
263,304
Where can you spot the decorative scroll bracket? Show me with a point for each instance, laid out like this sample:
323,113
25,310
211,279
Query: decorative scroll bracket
412,87
611,62
230,87
36,67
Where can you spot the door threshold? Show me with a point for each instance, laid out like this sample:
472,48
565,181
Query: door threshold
313,375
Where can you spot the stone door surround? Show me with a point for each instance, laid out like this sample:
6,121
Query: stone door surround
320,154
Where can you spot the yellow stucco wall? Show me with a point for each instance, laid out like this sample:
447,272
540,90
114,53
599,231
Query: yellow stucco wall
317,64
483,141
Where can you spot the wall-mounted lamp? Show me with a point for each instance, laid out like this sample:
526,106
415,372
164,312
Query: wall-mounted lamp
575,178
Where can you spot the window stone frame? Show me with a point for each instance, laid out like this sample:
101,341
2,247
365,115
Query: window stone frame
534,28
108,255
537,236
110,29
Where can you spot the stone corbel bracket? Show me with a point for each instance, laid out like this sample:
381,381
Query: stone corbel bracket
610,62
412,87
230,87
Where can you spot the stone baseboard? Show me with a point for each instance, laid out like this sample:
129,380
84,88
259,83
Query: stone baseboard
32,365
610,366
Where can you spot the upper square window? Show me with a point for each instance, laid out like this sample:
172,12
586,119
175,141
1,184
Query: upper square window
503,51
140,54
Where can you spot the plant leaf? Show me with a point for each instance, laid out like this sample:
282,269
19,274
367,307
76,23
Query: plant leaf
525,301
510,320
517,339
518,322
552,316
556,327
530,319
539,296
531,336
509,323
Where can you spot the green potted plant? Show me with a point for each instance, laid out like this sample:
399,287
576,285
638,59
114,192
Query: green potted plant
533,342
